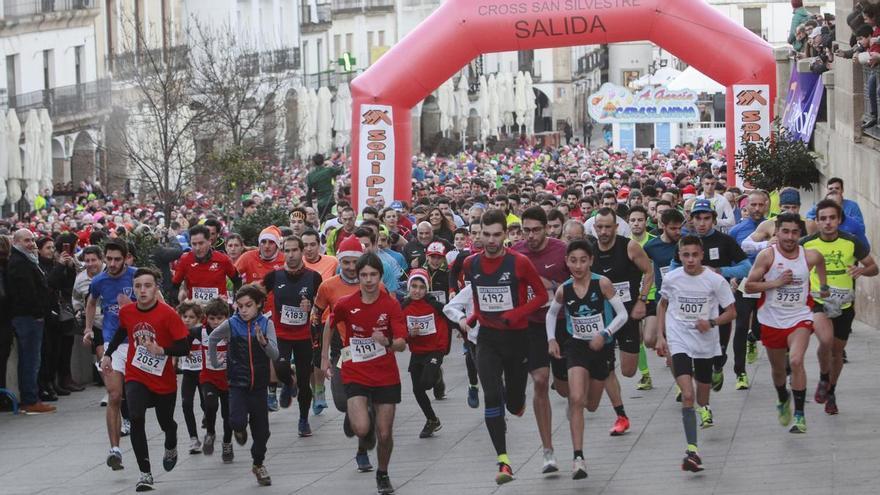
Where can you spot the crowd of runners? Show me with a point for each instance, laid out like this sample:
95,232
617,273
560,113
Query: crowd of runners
566,266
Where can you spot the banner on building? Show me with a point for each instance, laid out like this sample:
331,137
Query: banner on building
616,104
376,140
805,91
751,113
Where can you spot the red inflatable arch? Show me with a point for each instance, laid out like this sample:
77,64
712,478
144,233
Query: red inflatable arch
462,29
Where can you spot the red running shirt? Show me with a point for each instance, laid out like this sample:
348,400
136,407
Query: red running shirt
369,364
160,324
204,281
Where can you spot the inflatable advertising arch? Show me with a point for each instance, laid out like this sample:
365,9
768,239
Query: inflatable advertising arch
460,30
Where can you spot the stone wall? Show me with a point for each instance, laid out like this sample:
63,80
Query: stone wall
846,153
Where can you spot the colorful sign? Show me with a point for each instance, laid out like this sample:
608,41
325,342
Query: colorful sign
616,104
376,141
805,91
751,113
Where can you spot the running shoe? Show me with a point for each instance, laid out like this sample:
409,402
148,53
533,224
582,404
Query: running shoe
473,398
319,403
742,381
440,387
620,426
783,410
505,474
431,426
831,405
272,402
717,380
549,462
645,383
263,478
383,484
677,393
363,462
706,418
208,444
821,392
692,462
228,453
126,428
240,436
114,459
145,483
304,429
195,446
104,401
169,460
800,424
580,469
751,352
285,399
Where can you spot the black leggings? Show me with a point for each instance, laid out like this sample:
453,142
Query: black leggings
212,397
470,361
424,370
302,358
140,398
746,319
189,384
501,362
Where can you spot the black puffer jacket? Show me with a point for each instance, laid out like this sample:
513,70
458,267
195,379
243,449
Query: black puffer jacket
26,287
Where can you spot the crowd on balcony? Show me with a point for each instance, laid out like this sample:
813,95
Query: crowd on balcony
864,21
811,36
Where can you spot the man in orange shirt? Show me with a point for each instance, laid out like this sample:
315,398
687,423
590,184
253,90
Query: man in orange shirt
253,266
326,266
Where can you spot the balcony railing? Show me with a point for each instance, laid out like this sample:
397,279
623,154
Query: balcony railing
125,65
329,78
340,6
379,5
65,101
870,72
269,62
322,14
23,8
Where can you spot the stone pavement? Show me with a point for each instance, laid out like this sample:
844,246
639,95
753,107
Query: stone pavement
747,452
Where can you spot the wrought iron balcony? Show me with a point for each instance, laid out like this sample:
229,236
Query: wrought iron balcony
24,8
64,101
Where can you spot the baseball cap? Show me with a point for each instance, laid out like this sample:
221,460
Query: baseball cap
396,205
702,205
436,249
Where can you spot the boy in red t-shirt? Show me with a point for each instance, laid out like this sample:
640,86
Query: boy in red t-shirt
155,332
215,387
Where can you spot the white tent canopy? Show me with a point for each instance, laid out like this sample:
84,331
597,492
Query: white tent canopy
13,137
324,120
531,105
696,81
659,78
494,105
4,158
463,102
483,107
46,183
342,116
446,102
31,169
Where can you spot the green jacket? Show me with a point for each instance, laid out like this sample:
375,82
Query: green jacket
798,17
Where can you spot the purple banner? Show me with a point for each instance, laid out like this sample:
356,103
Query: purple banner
802,103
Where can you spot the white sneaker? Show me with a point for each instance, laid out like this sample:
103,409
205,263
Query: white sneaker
126,428
195,446
580,469
145,483
549,462
105,400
